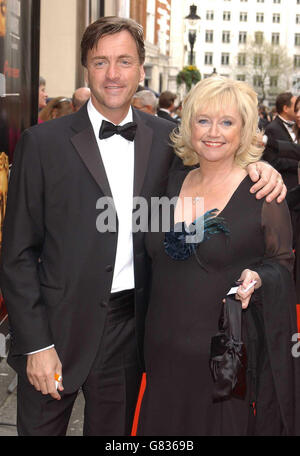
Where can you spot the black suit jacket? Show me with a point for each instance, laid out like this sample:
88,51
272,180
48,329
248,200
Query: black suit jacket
166,116
56,267
282,153
277,130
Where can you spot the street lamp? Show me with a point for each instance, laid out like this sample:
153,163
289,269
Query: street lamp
192,20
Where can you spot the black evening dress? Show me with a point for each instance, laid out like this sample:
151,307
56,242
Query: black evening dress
183,313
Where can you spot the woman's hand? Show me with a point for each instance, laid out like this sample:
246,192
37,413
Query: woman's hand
246,278
269,182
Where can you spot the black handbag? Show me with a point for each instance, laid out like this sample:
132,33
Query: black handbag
228,354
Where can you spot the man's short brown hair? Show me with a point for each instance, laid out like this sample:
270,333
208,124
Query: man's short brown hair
283,99
109,26
166,99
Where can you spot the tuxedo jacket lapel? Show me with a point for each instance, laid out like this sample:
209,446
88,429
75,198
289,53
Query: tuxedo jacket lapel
86,145
285,133
142,149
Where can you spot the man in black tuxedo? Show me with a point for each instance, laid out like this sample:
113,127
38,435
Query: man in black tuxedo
166,104
281,128
77,294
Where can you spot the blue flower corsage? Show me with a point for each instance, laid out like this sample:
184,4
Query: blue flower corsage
181,242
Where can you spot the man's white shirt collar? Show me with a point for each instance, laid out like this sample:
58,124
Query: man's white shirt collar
96,117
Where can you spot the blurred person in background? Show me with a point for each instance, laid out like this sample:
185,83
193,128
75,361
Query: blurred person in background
57,107
80,97
43,96
263,117
284,155
146,101
177,112
282,128
166,105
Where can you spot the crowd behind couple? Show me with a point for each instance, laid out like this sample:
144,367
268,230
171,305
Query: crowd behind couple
144,99
211,322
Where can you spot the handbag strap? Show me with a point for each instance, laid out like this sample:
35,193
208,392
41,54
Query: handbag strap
233,314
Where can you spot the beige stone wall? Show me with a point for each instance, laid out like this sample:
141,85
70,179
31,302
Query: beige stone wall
58,46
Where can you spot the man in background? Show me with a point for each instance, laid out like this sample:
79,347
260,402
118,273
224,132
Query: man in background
167,105
80,97
281,129
146,101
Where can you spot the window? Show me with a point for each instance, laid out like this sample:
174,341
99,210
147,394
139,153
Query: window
259,37
242,37
296,61
297,18
243,17
297,39
208,58
241,59
276,1
225,58
276,18
260,1
257,60
274,60
259,17
226,15
209,36
241,77
225,37
273,81
257,81
275,38
210,15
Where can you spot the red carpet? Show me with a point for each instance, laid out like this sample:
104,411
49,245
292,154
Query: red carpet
138,405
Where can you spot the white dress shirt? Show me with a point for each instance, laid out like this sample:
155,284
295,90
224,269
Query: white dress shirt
118,158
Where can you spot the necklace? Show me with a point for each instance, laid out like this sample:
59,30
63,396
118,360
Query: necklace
196,199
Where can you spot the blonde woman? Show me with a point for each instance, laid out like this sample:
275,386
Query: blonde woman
245,240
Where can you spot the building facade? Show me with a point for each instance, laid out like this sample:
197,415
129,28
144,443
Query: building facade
63,23
228,27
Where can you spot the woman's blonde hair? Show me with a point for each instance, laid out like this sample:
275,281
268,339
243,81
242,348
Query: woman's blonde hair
215,93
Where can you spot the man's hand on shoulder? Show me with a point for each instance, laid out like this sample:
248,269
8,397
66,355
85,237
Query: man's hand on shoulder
269,182
41,370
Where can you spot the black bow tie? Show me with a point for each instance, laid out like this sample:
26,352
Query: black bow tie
127,131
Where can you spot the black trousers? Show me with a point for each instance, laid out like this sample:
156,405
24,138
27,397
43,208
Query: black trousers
110,390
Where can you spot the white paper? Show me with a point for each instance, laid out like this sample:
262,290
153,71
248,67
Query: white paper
233,290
